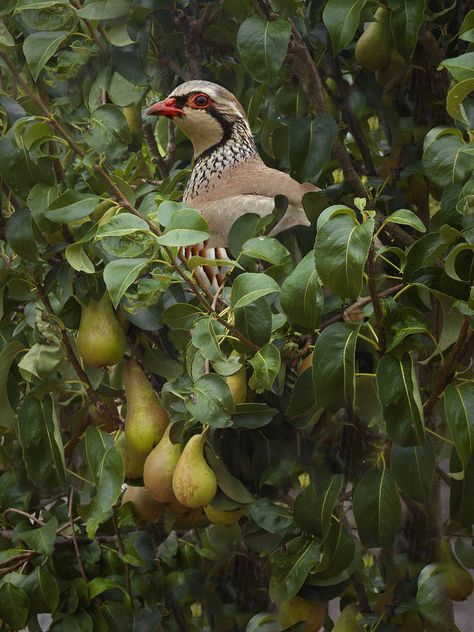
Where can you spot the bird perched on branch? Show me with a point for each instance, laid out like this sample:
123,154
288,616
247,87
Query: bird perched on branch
229,178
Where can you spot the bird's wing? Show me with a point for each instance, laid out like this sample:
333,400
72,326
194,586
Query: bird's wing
221,214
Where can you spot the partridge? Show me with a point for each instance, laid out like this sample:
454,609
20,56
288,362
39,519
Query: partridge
229,178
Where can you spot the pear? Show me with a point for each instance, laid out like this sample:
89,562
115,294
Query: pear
100,339
146,509
146,419
457,580
348,620
237,382
299,609
220,517
194,483
394,73
159,468
375,44
133,461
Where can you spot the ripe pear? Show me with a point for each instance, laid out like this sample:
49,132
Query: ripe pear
237,383
146,509
194,483
146,419
133,461
159,468
299,609
100,339
375,44
220,517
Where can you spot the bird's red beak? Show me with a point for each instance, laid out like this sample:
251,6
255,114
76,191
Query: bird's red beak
165,108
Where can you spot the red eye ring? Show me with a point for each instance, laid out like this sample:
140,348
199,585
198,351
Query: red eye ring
199,101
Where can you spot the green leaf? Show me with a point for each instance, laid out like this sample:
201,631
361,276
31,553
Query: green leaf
71,206
20,236
432,600
5,37
400,399
272,517
302,295
231,486
211,401
267,249
254,321
334,366
7,355
341,18
461,67
405,322
204,336
262,46
377,508
99,585
24,5
459,411
121,225
43,538
290,566
444,159
461,506
41,441
38,49
250,286
181,315
42,360
106,468
337,556
119,276
14,605
455,99
108,134
310,145
266,366
466,32
78,259
104,10
42,590
252,415
186,227
452,265
314,506
407,218
340,251
406,18
413,468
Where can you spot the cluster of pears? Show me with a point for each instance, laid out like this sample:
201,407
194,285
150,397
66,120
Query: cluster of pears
100,338
375,51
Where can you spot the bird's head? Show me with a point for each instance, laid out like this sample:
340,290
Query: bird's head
206,112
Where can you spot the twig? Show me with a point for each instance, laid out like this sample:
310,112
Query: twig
378,312
37,521
155,154
447,371
121,549
170,145
362,302
73,536
361,594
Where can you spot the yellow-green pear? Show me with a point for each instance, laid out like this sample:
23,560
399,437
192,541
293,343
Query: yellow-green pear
220,517
348,620
159,468
194,483
375,44
100,339
299,609
146,419
237,382
146,509
133,461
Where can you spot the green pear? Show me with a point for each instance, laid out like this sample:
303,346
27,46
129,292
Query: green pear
299,609
146,509
375,44
194,483
133,461
146,419
159,468
348,620
237,382
100,339
457,580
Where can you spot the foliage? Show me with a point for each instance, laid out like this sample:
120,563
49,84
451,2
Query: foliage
338,468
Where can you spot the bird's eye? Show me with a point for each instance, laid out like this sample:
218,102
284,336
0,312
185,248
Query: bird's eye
200,101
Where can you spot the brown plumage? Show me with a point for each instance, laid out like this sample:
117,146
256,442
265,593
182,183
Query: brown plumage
229,178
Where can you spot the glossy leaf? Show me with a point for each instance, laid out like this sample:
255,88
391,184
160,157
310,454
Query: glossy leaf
41,539
341,18
104,10
249,286
119,276
310,144
459,411
406,18
413,468
39,47
211,401
291,565
302,294
266,365
262,46
14,604
7,355
377,508
334,366
71,206
400,398
314,506
272,517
